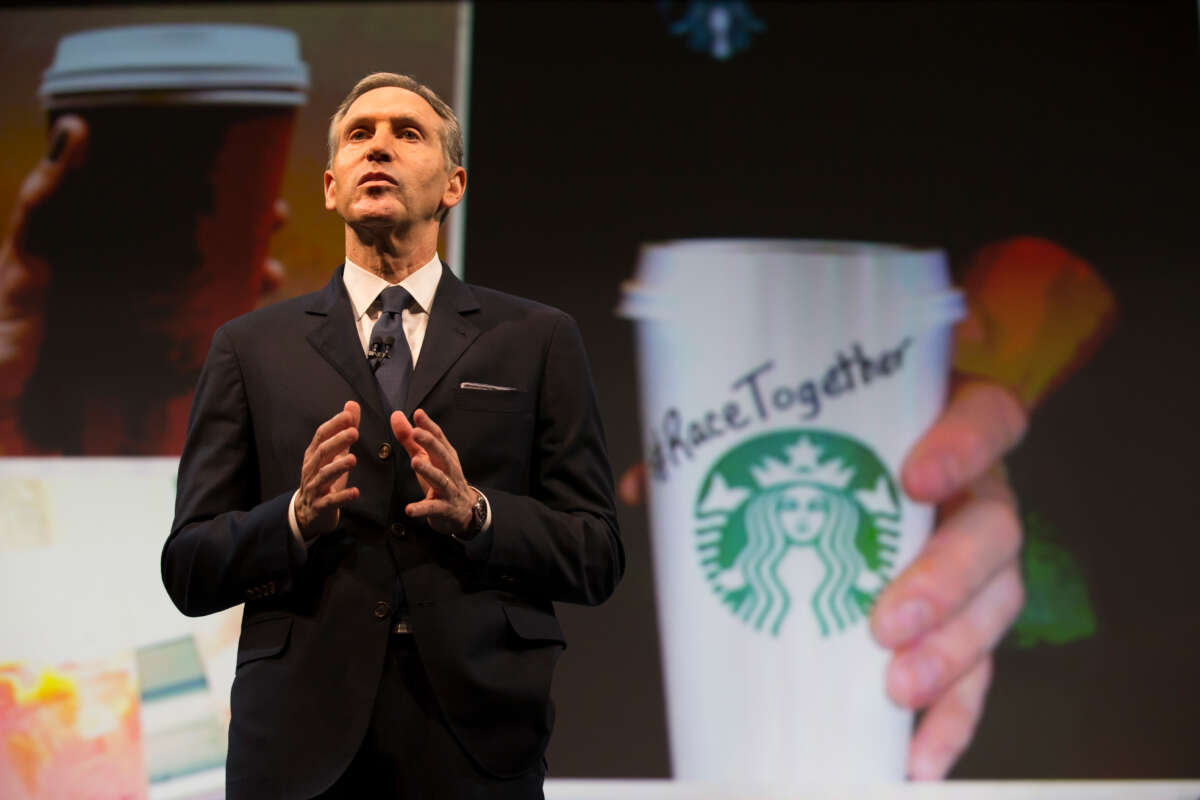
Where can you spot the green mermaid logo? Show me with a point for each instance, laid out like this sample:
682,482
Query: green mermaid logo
790,494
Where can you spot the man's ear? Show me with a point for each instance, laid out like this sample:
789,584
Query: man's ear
330,192
456,186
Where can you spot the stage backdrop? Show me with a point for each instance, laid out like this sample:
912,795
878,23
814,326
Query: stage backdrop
594,129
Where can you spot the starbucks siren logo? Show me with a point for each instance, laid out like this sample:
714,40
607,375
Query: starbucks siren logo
798,493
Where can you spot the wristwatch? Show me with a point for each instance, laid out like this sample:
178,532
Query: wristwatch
478,516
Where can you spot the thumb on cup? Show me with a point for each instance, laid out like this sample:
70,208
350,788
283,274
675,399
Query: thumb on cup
24,274
65,152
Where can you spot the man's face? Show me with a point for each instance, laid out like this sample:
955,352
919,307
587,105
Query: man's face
389,170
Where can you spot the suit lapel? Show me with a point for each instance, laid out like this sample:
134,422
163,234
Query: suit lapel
335,338
448,335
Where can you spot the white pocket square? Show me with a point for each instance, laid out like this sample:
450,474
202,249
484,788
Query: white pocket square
486,387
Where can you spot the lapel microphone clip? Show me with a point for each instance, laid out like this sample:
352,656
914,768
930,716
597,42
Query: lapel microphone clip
379,350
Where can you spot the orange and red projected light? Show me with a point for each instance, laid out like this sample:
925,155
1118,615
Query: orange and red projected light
71,731
1037,314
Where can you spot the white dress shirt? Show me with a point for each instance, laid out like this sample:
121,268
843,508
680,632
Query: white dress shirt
364,288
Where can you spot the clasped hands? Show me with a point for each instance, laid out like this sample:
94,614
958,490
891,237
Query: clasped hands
324,475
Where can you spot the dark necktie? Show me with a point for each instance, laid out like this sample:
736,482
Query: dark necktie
389,355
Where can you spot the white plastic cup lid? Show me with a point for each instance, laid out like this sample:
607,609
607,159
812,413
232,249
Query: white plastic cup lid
684,280
177,63
910,271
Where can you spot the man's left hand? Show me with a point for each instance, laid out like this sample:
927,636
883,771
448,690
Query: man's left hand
945,613
448,502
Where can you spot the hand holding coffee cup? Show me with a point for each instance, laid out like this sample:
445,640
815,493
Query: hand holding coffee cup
154,237
777,509
25,271
947,612
978,526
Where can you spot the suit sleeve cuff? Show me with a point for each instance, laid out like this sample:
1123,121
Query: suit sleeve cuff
297,544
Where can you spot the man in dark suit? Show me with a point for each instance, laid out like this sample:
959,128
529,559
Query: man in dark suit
398,638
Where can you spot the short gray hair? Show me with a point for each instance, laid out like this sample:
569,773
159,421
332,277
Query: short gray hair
451,133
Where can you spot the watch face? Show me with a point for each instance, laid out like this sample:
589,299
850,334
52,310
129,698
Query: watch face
480,510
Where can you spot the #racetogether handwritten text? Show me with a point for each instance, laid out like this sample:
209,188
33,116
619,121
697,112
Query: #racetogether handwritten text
758,395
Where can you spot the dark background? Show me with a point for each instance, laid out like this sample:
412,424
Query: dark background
952,124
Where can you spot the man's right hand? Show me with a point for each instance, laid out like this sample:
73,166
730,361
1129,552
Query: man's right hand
325,472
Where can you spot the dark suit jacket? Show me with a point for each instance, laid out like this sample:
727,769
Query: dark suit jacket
315,626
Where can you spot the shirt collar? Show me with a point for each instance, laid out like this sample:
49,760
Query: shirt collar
363,286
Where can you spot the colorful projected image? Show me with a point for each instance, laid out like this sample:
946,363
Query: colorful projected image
71,525
72,730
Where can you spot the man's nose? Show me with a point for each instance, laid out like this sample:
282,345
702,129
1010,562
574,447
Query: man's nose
380,149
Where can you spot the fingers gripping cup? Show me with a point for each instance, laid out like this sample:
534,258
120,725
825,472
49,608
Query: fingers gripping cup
782,384
160,233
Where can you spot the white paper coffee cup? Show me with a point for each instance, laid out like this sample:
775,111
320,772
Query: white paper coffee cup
782,384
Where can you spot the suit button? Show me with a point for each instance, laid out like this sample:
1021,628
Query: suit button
398,529
384,452
382,610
